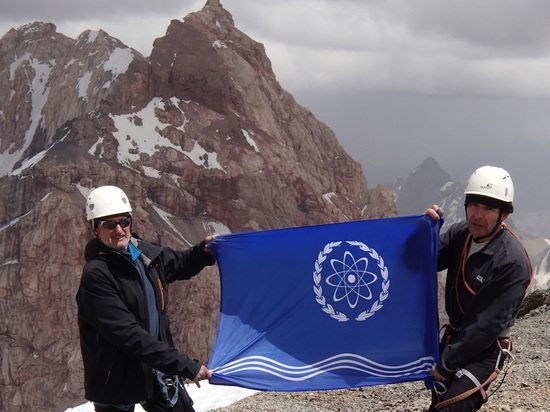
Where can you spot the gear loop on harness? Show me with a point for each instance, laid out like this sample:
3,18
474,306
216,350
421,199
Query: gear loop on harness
440,388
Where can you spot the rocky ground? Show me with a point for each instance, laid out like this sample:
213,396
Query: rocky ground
525,388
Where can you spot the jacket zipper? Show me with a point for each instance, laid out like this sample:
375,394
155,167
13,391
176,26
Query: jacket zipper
111,362
161,294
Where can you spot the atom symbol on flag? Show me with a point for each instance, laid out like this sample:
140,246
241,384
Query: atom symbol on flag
351,279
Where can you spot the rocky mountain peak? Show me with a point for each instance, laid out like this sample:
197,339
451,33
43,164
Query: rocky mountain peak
41,40
208,38
214,13
201,137
428,184
40,61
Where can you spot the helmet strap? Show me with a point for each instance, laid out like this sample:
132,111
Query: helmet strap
492,232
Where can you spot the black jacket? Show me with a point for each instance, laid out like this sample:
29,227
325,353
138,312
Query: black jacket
484,302
117,350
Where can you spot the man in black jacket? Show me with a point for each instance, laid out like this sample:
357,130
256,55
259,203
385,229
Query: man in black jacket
488,274
127,348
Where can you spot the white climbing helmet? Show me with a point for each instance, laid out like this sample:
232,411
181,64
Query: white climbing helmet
492,183
106,201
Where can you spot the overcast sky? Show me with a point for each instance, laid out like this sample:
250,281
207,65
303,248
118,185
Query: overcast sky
466,82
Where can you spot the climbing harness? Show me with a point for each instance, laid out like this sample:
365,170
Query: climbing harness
169,385
505,357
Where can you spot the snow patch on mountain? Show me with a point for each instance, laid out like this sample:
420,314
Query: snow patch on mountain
39,91
141,133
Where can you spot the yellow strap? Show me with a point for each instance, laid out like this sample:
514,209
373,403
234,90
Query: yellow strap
464,395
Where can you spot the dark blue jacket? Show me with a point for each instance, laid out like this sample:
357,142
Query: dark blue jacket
118,352
484,301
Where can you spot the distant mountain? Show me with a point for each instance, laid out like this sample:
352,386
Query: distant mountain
426,185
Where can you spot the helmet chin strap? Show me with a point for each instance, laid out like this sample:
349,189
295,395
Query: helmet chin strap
492,232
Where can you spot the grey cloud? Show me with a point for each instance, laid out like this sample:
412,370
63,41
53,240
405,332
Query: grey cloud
62,10
504,26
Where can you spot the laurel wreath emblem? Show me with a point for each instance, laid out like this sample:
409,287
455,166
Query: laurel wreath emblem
318,289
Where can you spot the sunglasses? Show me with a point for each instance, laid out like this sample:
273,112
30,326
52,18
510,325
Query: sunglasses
111,224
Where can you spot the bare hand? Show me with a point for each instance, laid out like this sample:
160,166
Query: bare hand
207,240
436,374
203,374
435,212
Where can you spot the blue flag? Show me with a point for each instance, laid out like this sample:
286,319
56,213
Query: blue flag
328,307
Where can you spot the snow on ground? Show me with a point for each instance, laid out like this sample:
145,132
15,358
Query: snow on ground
206,398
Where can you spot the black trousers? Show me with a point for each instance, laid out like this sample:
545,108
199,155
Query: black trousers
156,404
482,367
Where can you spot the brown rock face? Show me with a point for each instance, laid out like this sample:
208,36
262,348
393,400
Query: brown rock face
201,137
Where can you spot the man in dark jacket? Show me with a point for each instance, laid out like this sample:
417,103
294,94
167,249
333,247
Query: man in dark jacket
127,348
488,274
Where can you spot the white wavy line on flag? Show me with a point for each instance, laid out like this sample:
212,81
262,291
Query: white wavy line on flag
342,361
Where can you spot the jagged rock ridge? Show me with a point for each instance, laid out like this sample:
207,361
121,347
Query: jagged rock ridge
200,135
429,184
